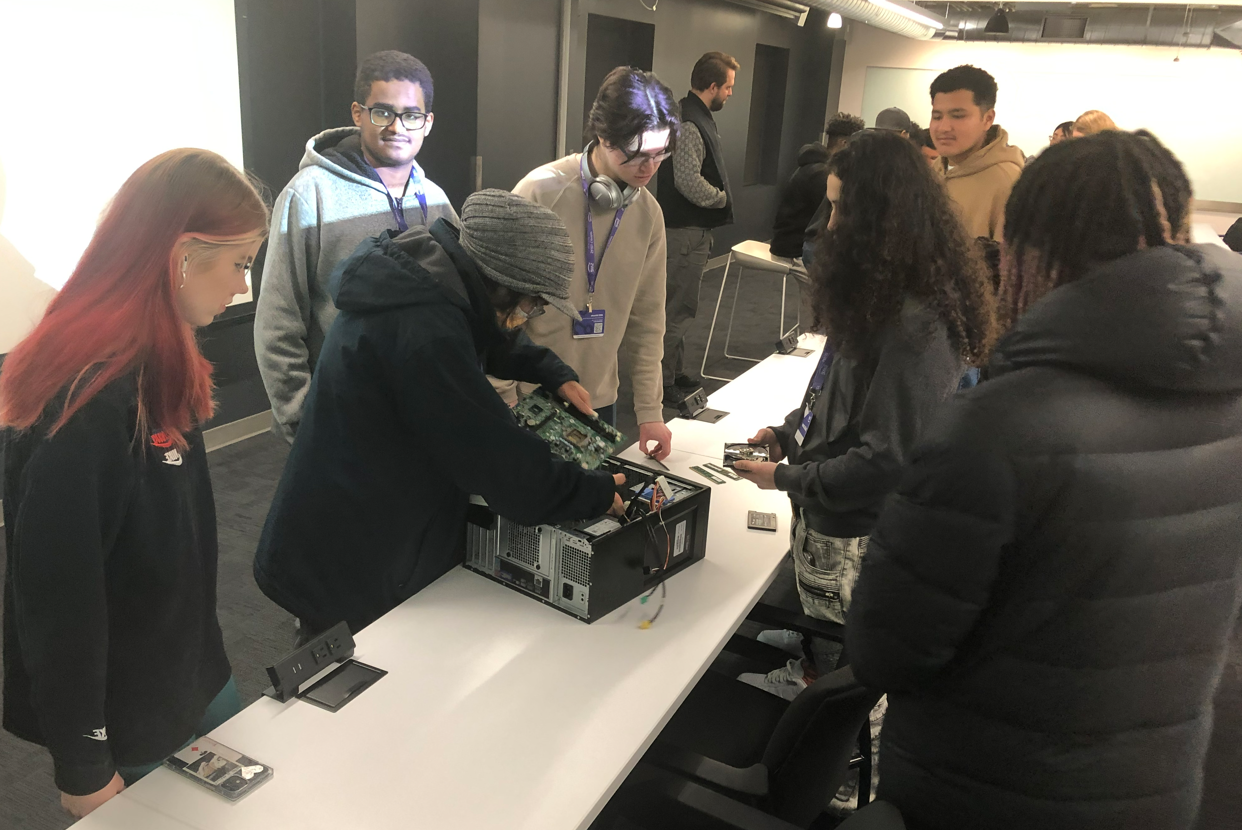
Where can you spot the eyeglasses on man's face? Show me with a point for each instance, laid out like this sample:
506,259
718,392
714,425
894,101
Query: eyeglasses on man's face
537,307
383,117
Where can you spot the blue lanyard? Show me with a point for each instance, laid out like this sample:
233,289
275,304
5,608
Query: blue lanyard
398,209
591,267
818,379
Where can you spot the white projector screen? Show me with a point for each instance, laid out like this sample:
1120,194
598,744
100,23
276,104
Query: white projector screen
91,90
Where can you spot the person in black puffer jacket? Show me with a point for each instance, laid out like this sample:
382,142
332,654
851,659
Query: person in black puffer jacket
1048,598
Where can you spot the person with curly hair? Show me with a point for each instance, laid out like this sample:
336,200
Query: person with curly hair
907,306
1048,598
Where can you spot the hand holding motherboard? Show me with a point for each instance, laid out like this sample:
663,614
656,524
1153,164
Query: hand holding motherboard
571,433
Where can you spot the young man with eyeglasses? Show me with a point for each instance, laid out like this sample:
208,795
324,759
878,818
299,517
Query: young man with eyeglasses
617,229
695,195
354,182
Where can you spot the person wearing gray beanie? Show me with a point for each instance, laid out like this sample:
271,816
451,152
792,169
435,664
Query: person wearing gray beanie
520,245
401,426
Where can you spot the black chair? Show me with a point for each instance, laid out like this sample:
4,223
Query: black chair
744,654
736,756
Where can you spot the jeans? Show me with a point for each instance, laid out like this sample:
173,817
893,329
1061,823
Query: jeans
223,706
688,250
826,569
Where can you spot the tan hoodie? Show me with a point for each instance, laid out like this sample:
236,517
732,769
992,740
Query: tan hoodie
981,184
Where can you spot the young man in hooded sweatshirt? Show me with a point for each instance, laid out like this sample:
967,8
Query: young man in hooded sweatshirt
979,165
402,425
353,182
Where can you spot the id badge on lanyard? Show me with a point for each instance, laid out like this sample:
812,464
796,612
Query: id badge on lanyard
812,394
593,319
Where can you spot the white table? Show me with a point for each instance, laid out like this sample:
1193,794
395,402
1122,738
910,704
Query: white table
1202,233
761,397
497,711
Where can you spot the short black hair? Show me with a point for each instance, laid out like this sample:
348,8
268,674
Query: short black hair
1085,202
712,68
843,125
391,65
981,85
1065,128
629,103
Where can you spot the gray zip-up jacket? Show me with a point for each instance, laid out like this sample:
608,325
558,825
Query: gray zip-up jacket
333,203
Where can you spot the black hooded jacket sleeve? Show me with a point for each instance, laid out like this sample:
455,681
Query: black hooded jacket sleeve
511,468
73,495
520,359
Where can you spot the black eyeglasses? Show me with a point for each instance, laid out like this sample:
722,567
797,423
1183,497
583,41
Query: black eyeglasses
383,117
638,158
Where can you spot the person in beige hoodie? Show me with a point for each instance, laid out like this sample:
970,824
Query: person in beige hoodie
979,164
632,128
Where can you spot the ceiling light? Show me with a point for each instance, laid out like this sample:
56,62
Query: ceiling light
998,23
908,11
834,21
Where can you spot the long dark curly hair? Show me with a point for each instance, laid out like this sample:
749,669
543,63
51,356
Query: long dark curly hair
896,236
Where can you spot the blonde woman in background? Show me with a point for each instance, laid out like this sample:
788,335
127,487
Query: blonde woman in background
1092,122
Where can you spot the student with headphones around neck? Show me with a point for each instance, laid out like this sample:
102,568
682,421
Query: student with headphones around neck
617,229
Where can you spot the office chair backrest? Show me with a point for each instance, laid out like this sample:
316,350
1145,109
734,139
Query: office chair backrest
809,752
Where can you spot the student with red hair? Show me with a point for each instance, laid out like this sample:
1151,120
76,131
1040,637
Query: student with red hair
113,657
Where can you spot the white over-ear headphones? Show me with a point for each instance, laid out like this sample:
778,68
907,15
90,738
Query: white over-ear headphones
604,191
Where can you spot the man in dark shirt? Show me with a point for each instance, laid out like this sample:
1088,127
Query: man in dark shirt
695,196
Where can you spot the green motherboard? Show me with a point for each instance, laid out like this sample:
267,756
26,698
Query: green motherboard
573,436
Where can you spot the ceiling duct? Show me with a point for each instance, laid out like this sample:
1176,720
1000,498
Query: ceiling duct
885,17
781,8
1158,25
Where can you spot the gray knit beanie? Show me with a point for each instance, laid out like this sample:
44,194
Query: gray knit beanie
519,244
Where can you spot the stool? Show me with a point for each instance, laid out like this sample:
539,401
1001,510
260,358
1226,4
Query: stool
756,256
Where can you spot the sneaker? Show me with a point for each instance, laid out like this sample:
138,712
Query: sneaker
785,640
687,382
786,682
673,396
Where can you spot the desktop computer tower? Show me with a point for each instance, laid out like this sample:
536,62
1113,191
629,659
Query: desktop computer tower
590,567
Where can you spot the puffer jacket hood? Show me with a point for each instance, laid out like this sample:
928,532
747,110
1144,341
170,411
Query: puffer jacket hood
1168,318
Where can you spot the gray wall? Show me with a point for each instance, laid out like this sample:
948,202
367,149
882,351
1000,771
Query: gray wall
685,29
445,36
518,41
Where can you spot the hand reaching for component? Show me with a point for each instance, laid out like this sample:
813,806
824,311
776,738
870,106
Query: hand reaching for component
577,395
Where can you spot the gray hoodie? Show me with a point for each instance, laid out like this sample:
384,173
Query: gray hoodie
333,203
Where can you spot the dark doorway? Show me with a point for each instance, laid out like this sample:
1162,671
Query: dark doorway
613,42
767,114
296,61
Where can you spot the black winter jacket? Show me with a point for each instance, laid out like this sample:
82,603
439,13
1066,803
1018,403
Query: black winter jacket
799,200
1049,597
401,428
112,651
